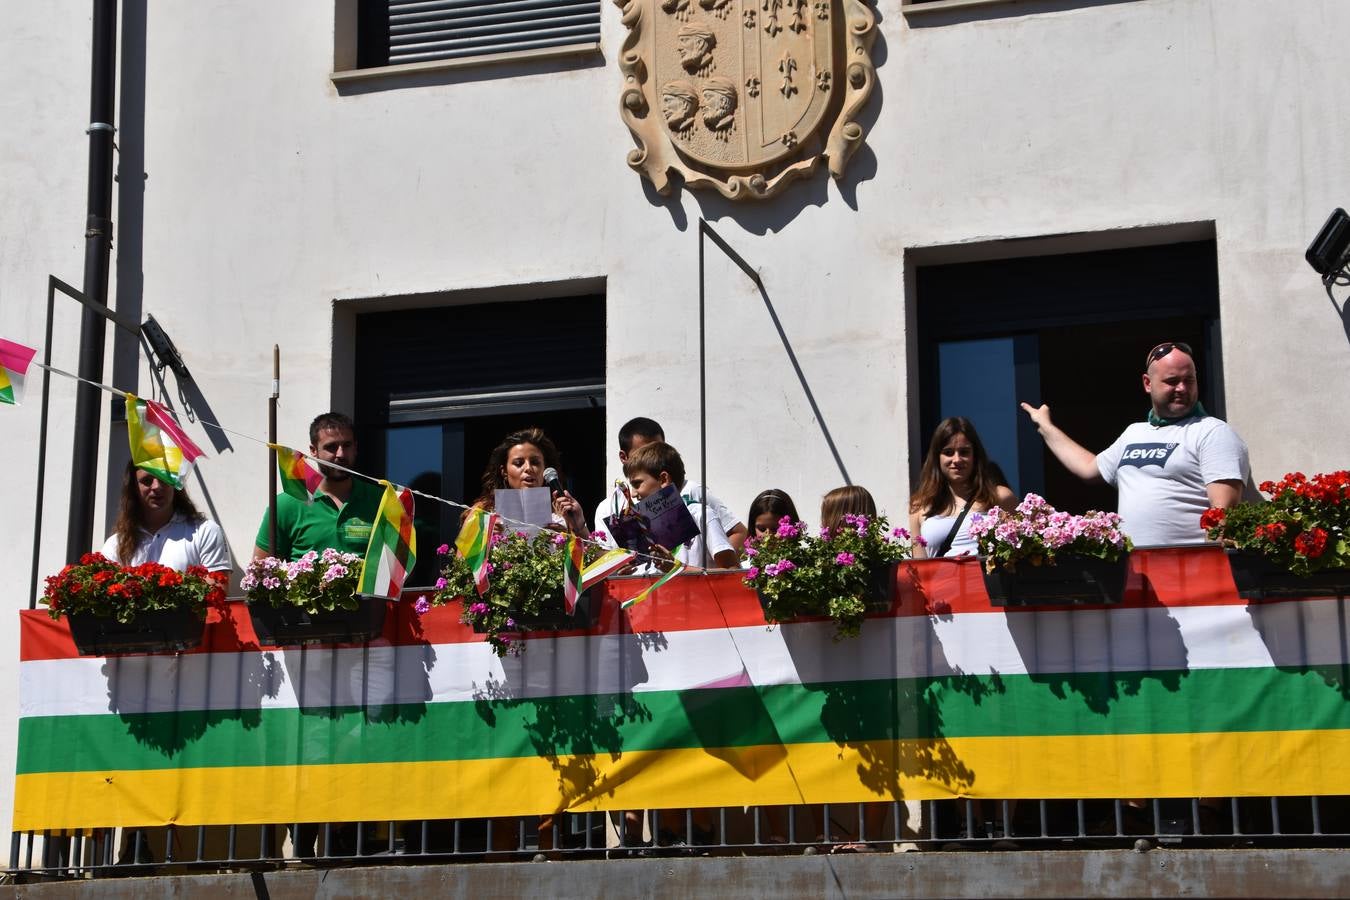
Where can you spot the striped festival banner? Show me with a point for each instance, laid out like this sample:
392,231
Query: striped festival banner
689,700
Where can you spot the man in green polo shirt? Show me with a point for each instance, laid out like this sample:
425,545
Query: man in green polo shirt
340,517
344,507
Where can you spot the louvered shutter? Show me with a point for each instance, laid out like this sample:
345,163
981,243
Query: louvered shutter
536,346
425,30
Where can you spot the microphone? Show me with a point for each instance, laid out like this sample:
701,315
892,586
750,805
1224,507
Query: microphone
552,481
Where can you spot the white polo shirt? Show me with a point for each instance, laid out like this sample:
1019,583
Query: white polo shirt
178,544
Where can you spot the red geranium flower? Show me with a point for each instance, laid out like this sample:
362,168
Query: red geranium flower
1275,531
1311,543
1212,518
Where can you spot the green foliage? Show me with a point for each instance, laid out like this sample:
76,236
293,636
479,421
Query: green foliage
100,587
1304,526
834,573
316,582
525,586
1038,534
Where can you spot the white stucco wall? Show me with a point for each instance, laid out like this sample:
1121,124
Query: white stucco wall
269,195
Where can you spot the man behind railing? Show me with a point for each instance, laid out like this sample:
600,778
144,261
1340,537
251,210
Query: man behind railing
1169,469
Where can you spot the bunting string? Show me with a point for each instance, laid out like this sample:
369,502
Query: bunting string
659,562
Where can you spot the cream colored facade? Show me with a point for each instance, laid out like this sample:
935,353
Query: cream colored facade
277,202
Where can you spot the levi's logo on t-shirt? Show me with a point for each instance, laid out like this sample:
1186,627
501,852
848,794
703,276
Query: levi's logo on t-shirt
1140,455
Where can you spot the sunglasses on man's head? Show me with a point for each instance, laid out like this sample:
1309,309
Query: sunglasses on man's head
1165,348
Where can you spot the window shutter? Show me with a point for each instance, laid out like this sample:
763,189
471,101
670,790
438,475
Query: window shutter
423,30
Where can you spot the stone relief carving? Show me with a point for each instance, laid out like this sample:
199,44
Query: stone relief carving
719,103
744,96
771,20
694,43
679,103
787,65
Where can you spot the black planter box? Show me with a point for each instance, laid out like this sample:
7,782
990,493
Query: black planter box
1257,578
156,631
286,626
1070,582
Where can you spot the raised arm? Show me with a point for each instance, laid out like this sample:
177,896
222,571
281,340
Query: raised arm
1074,456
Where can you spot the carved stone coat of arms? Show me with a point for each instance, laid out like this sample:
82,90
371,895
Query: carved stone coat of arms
744,96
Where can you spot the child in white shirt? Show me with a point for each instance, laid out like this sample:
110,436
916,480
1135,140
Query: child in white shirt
653,466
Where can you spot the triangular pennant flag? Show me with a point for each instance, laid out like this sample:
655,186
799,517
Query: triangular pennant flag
606,566
158,445
392,550
473,543
14,360
574,556
674,570
299,475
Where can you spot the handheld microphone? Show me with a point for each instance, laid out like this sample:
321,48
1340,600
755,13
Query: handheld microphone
552,481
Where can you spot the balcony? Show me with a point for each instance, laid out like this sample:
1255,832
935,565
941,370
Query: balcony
686,727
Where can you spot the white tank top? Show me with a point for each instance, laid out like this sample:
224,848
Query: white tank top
936,528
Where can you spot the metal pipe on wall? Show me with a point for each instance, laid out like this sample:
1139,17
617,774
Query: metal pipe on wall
97,252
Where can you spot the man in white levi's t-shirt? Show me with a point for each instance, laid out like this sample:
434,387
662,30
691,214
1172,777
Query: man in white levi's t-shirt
1169,469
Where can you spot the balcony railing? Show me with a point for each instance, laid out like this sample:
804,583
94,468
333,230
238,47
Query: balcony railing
687,725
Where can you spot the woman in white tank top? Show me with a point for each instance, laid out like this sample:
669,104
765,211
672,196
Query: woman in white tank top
956,481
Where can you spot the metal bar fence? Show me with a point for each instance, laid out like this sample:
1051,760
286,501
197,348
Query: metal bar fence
943,825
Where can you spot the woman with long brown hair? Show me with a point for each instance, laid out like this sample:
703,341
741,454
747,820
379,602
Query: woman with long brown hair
157,522
519,461
957,480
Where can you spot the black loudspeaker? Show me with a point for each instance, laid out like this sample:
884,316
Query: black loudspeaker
1326,254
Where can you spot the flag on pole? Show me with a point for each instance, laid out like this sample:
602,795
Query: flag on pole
158,445
300,476
674,570
473,543
392,550
14,360
572,561
605,566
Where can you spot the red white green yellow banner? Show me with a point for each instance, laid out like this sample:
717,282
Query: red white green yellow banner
689,699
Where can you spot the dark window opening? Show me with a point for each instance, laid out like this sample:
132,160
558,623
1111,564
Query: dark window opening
372,33
438,388
1069,330
393,32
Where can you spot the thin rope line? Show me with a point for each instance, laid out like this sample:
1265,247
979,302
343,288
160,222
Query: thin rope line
111,390
585,539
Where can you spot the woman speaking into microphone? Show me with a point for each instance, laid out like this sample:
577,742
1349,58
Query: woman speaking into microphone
525,459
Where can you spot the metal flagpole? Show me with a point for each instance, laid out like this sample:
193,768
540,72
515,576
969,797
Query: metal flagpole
272,454
702,398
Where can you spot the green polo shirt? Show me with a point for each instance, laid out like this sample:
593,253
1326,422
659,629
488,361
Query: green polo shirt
302,527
